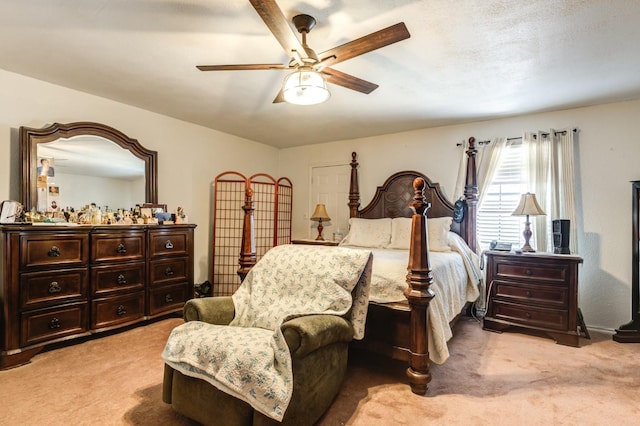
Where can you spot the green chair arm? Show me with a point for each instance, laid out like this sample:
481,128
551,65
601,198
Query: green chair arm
310,332
214,310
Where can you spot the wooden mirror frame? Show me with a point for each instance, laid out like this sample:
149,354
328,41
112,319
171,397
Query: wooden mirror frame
31,137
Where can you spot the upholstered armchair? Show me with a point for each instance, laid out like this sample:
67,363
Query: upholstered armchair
317,344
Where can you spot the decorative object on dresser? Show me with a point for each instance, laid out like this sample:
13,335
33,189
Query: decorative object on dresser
630,332
535,291
320,214
66,282
528,207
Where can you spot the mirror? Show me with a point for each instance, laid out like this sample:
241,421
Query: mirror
81,163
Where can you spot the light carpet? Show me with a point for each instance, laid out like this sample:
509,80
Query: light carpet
498,379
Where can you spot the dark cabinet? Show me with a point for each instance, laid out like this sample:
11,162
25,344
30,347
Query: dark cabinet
60,283
630,332
536,291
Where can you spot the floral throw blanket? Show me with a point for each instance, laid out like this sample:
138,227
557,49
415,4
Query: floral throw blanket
250,359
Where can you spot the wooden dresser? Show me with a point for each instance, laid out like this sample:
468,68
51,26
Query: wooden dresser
64,282
536,291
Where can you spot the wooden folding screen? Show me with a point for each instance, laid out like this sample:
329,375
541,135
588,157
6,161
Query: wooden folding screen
271,201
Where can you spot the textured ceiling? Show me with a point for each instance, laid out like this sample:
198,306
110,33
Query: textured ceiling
466,60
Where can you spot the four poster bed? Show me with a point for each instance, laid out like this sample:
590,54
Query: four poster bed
404,327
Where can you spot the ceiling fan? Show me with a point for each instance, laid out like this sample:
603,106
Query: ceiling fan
306,85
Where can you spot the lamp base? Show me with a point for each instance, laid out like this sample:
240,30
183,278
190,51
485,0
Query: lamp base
320,227
527,236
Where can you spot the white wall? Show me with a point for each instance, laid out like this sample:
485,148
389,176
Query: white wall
608,149
189,156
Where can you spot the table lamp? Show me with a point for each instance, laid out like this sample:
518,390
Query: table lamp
528,207
320,214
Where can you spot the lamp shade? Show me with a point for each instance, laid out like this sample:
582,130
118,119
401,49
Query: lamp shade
320,213
305,86
528,206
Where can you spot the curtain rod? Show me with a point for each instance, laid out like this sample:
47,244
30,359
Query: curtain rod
562,132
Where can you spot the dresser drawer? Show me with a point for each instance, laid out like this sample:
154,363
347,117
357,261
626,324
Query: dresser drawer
532,271
168,298
551,296
170,270
123,246
42,250
51,287
169,242
530,316
56,323
116,310
117,278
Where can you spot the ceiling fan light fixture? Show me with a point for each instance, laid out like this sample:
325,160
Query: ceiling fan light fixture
305,86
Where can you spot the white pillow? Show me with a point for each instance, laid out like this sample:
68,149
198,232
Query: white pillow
368,233
439,233
400,233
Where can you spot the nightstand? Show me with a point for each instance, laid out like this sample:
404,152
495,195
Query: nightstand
316,242
536,291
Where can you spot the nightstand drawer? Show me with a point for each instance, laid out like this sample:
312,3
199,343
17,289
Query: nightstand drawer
538,271
531,316
552,296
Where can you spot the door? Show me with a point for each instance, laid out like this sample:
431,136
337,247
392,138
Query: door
330,186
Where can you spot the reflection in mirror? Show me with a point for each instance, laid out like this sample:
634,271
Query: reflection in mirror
88,169
72,165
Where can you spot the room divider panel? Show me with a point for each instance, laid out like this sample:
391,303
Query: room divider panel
270,202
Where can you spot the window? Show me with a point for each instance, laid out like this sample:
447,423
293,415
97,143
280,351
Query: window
494,220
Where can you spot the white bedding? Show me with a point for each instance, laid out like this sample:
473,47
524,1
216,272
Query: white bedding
456,280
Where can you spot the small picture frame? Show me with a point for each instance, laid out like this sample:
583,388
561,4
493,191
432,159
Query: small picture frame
155,208
9,211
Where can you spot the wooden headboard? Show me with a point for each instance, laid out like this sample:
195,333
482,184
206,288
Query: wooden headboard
393,198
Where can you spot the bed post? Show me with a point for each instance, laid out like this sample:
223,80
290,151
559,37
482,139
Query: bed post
247,257
418,293
471,196
354,191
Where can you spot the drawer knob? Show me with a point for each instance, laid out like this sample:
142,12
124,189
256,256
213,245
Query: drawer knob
528,315
121,310
168,298
54,323
54,252
528,293
121,248
168,245
54,287
528,272
121,279
168,272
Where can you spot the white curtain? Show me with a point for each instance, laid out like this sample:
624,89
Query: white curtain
487,160
552,178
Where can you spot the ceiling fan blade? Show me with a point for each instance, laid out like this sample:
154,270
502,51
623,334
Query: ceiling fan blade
242,67
279,97
368,43
275,20
350,82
